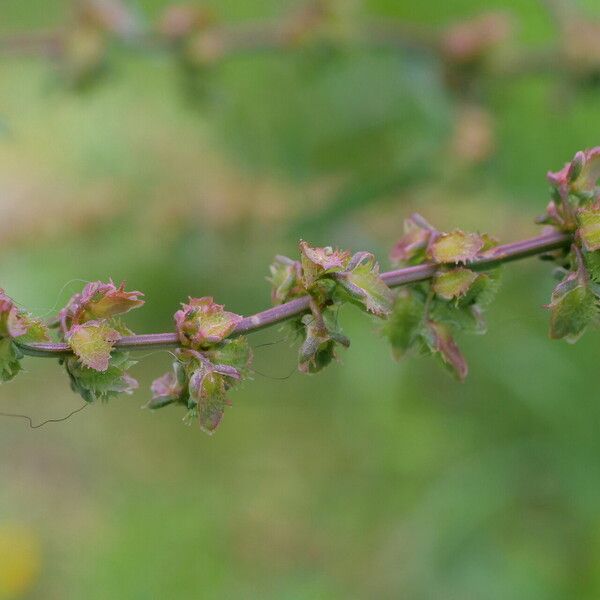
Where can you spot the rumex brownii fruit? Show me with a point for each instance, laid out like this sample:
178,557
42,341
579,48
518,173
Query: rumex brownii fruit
446,280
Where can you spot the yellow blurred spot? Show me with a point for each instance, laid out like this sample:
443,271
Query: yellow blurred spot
19,560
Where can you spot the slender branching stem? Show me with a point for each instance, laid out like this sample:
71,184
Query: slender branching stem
272,316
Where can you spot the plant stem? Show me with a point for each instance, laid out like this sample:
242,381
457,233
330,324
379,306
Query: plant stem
266,318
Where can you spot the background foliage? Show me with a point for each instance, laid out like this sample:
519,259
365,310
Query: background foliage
372,480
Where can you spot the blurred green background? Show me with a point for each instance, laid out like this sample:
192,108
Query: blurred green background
371,480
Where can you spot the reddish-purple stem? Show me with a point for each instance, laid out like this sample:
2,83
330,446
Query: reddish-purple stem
499,255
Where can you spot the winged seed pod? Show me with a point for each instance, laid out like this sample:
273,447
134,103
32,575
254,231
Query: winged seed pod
330,277
456,247
92,343
363,283
98,301
588,220
202,322
318,262
285,279
169,388
578,178
427,317
207,365
574,303
320,339
207,387
411,247
440,342
357,275
89,324
16,326
454,283
575,208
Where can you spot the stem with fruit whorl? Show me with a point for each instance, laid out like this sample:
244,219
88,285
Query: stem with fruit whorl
272,316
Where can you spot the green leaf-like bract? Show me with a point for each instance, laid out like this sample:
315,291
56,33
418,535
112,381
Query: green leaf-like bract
10,359
320,339
330,277
95,385
573,307
428,316
592,264
207,389
483,290
589,227
361,280
410,328
403,326
233,352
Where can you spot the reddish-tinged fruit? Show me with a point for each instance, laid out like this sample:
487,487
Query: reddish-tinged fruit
202,322
573,305
285,280
98,300
579,177
10,324
92,342
456,247
166,387
320,261
589,227
16,323
454,283
208,363
207,387
440,340
414,242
